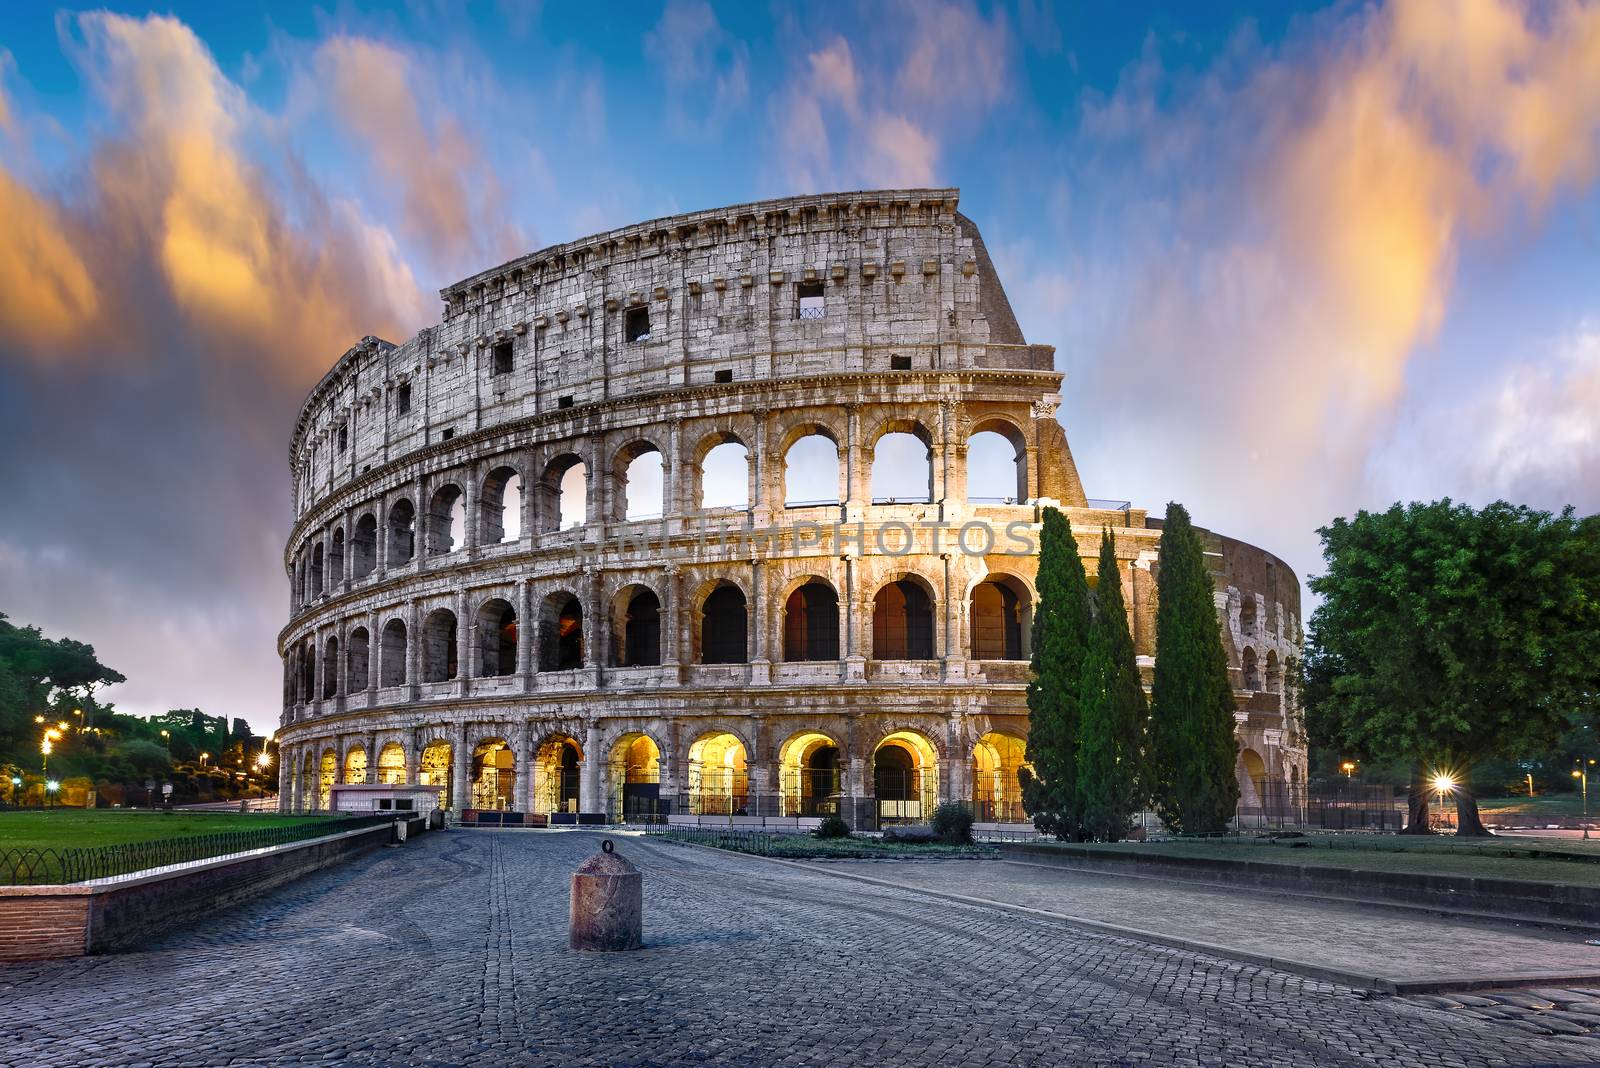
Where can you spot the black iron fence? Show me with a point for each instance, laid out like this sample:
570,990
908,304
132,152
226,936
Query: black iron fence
31,867
1341,807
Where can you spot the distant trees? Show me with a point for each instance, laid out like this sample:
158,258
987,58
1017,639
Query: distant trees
1448,636
1192,749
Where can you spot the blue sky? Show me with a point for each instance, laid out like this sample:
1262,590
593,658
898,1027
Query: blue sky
1296,259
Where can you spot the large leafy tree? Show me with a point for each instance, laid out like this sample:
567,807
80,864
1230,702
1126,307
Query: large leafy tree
1192,747
33,671
1060,633
1111,712
1447,636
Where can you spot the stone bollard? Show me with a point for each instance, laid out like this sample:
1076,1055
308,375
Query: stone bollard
607,902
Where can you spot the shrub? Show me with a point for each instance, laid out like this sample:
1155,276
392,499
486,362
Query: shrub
952,822
832,827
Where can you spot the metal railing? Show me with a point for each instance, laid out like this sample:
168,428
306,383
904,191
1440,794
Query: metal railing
31,867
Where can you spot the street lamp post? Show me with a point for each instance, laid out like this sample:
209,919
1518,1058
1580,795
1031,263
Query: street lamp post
1582,775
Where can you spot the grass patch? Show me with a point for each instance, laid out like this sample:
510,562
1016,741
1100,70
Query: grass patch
809,847
1561,861
1539,805
87,828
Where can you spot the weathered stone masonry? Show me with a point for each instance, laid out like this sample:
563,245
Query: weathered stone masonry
480,601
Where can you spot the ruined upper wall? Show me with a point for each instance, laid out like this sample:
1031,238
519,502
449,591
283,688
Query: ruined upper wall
904,281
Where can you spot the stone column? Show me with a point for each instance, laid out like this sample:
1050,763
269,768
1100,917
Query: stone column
414,744
380,546
472,492
855,492
370,744
526,627
670,643
419,527
374,650
461,768
589,799
673,495
761,508
466,628
413,649
523,799
756,630
853,642
348,562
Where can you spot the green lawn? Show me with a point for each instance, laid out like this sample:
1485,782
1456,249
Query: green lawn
1540,804
809,847
77,828
1545,860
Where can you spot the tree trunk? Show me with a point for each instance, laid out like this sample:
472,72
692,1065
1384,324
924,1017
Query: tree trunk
1417,803
1468,823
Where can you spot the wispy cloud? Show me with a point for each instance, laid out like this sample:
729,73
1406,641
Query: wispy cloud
843,120
706,69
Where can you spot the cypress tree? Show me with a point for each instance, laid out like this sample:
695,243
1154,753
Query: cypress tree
1112,711
1060,633
1192,746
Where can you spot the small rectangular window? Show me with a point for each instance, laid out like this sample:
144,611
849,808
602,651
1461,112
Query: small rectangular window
502,358
899,363
813,304
724,376
344,438
449,432
403,398
636,324
564,402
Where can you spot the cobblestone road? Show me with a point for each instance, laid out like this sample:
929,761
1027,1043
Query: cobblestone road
451,951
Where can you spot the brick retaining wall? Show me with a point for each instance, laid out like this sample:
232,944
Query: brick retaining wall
42,922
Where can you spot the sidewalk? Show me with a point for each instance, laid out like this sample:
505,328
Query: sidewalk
1369,946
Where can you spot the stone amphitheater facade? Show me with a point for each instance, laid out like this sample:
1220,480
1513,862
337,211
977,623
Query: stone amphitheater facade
488,597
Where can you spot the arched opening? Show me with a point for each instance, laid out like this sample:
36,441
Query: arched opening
1247,616
355,764
996,786
641,482
560,632
308,671
811,623
1252,776
1274,678
1250,672
636,779
327,775
439,646
330,669
809,775
357,661
904,778
725,476
494,775
997,465
364,546
564,494
336,560
902,468
500,508
724,627
316,571
308,784
402,532
555,770
392,764
1001,619
636,627
392,654
902,622
434,769
719,781
497,638
811,471
447,520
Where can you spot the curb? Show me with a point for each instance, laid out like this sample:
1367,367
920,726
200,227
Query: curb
1322,973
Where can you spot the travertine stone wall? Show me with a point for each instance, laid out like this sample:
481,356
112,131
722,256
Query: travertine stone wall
913,334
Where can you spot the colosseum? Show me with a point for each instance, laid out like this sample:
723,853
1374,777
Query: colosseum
729,516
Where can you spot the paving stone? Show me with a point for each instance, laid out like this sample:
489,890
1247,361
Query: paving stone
452,951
